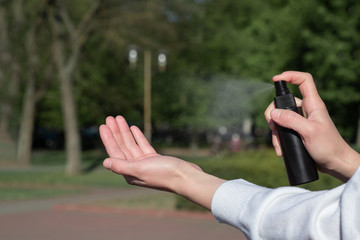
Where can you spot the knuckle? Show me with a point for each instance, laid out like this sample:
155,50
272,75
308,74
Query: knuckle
288,117
140,171
321,105
308,76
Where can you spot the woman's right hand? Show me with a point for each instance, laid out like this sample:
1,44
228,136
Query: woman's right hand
318,132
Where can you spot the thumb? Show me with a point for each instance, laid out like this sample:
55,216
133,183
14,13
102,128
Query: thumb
291,120
118,166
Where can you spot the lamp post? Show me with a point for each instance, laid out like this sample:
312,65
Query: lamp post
147,95
147,84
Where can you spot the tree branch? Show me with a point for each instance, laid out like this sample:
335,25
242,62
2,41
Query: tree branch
84,26
48,75
68,23
82,34
18,11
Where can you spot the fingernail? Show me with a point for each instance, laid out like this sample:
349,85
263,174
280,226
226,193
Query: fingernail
276,76
277,150
107,163
271,124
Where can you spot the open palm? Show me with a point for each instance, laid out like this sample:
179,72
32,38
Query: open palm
131,155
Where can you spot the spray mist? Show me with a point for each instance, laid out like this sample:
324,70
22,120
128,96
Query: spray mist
299,165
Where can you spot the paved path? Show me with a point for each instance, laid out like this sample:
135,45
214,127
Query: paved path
91,196
62,218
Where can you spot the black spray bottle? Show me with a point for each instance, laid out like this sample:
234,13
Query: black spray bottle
299,165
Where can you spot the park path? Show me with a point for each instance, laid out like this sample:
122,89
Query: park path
67,218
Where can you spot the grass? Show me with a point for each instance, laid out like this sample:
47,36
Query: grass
14,193
48,167
22,185
152,202
46,177
56,177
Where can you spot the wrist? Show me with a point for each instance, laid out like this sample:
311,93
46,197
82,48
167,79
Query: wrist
349,161
198,186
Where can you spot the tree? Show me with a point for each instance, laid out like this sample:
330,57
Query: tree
68,40
149,26
35,83
331,53
229,42
20,68
11,24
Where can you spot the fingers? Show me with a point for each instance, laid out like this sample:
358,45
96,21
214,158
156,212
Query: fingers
287,119
304,80
276,143
142,141
130,142
307,88
110,143
117,136
292,120
118,166
272,107
275,137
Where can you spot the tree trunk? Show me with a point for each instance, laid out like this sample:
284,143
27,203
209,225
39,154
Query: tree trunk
27,124
9,76
72,135
30,99
8,145
5,81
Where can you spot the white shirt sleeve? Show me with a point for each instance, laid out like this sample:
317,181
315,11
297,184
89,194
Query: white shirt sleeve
290,212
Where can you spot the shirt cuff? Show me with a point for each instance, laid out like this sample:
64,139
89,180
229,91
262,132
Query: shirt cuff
231,200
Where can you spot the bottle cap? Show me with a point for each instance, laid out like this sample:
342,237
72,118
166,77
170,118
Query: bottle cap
281,88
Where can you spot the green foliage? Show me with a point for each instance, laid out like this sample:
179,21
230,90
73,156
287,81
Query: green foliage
261,167
332,52
185,104
248,40
49,113
106,86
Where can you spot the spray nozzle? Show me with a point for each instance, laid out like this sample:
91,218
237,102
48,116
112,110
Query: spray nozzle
281,88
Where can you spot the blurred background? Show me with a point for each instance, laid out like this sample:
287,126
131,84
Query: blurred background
194,75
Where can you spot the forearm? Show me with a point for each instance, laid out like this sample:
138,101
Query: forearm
198,186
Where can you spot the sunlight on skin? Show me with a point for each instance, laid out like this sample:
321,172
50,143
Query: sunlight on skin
132,156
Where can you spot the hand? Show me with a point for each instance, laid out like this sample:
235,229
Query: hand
319,134
132,156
